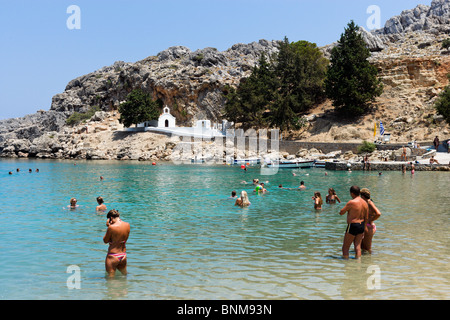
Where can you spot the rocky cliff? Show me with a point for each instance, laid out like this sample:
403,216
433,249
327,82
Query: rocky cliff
407,51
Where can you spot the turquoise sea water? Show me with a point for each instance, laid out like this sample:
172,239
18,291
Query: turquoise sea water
188,241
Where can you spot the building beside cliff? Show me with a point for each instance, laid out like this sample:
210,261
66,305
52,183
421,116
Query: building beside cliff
166,124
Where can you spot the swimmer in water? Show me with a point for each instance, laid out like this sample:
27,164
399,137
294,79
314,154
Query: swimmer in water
317,201
302,185
233,195
243,200
101,205
370,227
116,236
260,188
73,204
332,197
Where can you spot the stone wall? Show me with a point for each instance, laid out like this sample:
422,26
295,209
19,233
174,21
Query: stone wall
384,166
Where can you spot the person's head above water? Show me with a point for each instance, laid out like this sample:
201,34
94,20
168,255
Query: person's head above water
100,200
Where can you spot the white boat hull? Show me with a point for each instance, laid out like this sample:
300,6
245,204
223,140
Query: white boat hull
291,164
245,161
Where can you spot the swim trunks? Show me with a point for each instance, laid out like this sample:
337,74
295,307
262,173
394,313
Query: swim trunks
355,228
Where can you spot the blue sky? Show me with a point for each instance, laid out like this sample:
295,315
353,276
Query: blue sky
39,54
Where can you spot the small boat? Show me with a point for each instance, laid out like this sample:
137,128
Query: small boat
197,159
319,163
291,164
250,161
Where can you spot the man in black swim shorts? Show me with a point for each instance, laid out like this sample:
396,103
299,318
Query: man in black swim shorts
357,215
355,228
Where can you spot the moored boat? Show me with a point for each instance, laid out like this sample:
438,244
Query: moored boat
290,164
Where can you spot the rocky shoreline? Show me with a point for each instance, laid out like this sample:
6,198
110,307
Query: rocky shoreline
103,138
407,51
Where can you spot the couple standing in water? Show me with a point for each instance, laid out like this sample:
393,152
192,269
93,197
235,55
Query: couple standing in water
361,214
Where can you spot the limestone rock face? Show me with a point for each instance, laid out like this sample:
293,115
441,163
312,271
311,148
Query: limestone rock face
190,82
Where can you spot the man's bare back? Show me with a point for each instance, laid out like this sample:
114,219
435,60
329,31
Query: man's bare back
357,210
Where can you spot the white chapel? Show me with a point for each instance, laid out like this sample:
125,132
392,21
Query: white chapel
166,120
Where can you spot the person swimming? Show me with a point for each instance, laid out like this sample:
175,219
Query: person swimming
116,236
243,200
233,195
302,185
73,204
101,205
260,188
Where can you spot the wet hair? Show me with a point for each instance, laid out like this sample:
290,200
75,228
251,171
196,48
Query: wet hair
355,190
244,198
365,193
100,200
302,182
233,193
113,214
73,200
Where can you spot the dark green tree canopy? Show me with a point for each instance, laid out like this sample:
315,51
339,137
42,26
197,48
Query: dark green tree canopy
280,88
352,82
442,103
139,107
446,44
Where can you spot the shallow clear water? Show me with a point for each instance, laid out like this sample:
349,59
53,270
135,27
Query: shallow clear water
188,241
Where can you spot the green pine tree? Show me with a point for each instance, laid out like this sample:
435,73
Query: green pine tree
286,85
442,103
139,107
247,103
300,70
352,82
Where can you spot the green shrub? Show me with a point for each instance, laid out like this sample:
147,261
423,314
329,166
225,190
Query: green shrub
442,103
78,117
446,44
366,147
